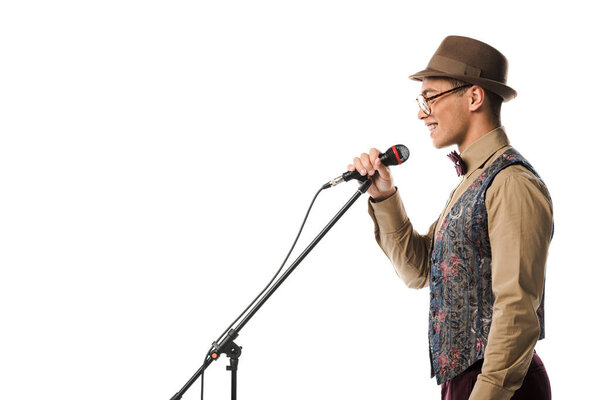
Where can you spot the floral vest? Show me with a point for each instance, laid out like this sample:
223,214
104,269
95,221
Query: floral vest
461,298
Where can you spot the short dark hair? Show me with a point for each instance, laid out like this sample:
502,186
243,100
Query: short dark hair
494,100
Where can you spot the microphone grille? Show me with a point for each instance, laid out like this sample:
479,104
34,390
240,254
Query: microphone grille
397,154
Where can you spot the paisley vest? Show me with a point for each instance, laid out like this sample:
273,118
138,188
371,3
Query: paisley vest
461,298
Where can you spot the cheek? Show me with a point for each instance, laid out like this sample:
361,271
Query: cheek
453,119
453,123
446,121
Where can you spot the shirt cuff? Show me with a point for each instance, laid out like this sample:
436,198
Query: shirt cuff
488,391
389,214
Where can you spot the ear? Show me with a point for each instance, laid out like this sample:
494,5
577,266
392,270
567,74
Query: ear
476,97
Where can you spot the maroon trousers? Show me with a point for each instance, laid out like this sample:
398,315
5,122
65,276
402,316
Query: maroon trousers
536,385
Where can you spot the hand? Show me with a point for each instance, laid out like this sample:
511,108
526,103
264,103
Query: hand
370,164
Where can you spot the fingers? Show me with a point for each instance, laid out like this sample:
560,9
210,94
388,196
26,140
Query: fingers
357,166
363,165
383,170
368,164
374,155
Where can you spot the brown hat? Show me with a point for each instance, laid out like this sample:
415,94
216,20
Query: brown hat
471,61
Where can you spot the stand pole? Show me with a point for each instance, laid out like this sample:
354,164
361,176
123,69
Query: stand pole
362,189
234,351
226,345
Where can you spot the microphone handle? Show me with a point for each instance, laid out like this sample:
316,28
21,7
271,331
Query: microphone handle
356,175
348,175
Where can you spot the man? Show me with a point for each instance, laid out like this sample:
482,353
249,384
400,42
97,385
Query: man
484,258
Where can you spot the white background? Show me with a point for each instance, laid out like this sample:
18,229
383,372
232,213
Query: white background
157,158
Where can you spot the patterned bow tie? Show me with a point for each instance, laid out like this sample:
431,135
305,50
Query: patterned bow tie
459,164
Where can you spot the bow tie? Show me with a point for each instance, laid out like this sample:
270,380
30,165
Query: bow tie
459,164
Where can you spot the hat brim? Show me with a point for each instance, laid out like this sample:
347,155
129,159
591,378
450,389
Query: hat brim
506,92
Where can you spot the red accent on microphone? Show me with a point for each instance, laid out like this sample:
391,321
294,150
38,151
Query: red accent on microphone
397,156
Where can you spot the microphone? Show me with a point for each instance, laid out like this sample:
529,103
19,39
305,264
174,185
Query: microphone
395,155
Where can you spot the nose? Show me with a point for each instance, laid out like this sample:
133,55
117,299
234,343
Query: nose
421,114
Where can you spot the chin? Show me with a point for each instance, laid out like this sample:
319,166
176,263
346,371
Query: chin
440,142
440,145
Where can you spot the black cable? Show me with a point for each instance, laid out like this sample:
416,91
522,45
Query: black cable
202,377
266,287
280,268
202,386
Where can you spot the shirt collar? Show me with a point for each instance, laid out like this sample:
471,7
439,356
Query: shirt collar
483,148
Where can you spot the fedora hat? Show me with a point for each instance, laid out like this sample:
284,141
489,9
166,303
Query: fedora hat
470,61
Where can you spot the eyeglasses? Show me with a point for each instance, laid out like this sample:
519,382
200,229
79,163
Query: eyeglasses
424,101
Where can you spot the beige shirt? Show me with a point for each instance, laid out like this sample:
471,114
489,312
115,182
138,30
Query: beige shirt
520,228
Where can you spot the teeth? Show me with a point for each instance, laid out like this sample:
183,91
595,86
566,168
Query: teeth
432,127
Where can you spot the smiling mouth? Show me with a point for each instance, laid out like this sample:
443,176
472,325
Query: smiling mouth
432,126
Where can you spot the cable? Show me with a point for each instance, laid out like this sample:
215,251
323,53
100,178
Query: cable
265,289
280,268
202,377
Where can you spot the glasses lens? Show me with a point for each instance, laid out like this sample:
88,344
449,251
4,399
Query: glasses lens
423,105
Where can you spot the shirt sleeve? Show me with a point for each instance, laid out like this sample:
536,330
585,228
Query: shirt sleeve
520,229
407,250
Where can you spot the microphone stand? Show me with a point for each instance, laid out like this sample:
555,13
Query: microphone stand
226,344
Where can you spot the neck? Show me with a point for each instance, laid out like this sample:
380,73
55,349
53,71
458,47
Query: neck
475,132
